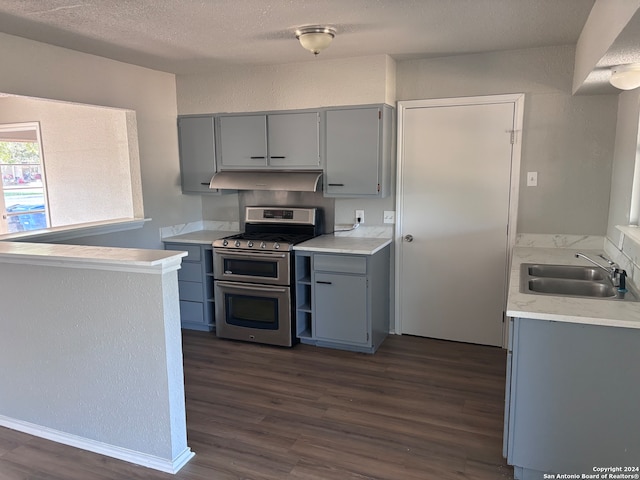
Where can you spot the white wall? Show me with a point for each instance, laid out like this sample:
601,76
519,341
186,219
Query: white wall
568,140
35,69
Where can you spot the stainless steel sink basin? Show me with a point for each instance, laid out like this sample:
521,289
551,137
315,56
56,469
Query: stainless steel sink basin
576,272
569,281
579,288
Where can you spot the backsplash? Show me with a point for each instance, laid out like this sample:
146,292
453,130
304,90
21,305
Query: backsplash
559,241
197,226
375,231
627,253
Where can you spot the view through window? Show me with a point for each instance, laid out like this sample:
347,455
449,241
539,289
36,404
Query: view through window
23,200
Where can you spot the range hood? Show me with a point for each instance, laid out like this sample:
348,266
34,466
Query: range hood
294,181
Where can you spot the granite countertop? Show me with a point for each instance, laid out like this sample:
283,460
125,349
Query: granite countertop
615,313
336,244
202,237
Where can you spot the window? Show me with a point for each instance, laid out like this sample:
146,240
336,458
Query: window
23,188
67,165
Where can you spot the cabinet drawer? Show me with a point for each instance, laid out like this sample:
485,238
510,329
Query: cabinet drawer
192,250
190,272
340,263
191,312
191,291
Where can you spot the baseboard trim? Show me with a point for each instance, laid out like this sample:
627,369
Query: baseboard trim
125,454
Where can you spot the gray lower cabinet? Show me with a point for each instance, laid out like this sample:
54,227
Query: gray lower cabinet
278,140
197,153
342,300
195,284
573,392
359,148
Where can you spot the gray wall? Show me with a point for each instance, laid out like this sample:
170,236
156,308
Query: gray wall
85,151
568,140
624,163
40,70
100,370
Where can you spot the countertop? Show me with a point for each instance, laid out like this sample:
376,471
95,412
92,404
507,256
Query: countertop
336,244
202,237
615,313
91,257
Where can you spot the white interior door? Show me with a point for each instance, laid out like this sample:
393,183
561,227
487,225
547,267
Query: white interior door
454,189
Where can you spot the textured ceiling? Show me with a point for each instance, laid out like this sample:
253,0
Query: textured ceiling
184,36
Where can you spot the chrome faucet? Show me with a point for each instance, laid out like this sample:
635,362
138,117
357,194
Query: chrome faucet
618,276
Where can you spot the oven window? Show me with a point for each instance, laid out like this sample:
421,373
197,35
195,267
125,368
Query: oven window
252,312
253,268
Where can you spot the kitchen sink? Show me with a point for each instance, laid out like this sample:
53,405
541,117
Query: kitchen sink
579,288
575,272
569,281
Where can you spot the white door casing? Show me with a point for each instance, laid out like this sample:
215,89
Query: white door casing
457,192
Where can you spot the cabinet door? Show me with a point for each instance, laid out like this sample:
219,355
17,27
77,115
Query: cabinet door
340,305
197,153
294,140
242,142
353,151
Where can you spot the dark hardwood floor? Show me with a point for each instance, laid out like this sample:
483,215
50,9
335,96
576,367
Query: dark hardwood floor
418,409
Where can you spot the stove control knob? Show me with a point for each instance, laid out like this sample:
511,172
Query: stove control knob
250,244
237,243
276,245
263,245
225,243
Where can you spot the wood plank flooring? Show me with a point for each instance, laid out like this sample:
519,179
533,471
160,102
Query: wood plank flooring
419,409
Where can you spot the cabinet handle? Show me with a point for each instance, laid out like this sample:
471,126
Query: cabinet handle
336,184
273,156
205,183
257,158
324,283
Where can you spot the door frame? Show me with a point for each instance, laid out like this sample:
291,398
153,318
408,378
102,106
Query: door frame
517,100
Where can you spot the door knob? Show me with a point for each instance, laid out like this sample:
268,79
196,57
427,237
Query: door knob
408,238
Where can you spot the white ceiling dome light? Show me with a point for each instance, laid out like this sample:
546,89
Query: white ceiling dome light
315,38
626,77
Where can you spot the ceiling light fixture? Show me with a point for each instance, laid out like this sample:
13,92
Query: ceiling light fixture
315,38
626,77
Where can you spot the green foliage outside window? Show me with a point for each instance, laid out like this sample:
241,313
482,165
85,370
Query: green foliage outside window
19,152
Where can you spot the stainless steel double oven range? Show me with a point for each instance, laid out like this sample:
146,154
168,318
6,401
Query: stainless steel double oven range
253,274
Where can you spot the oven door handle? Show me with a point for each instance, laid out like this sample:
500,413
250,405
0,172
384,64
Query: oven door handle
258,256
244,286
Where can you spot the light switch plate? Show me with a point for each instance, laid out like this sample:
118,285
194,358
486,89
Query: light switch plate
532,179
389,216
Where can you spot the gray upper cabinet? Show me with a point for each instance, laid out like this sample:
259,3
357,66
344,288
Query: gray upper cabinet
288,140
294,140
358,151
197,153
242,141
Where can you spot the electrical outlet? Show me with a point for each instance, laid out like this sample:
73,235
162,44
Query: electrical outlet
532,179
389,216
359,216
